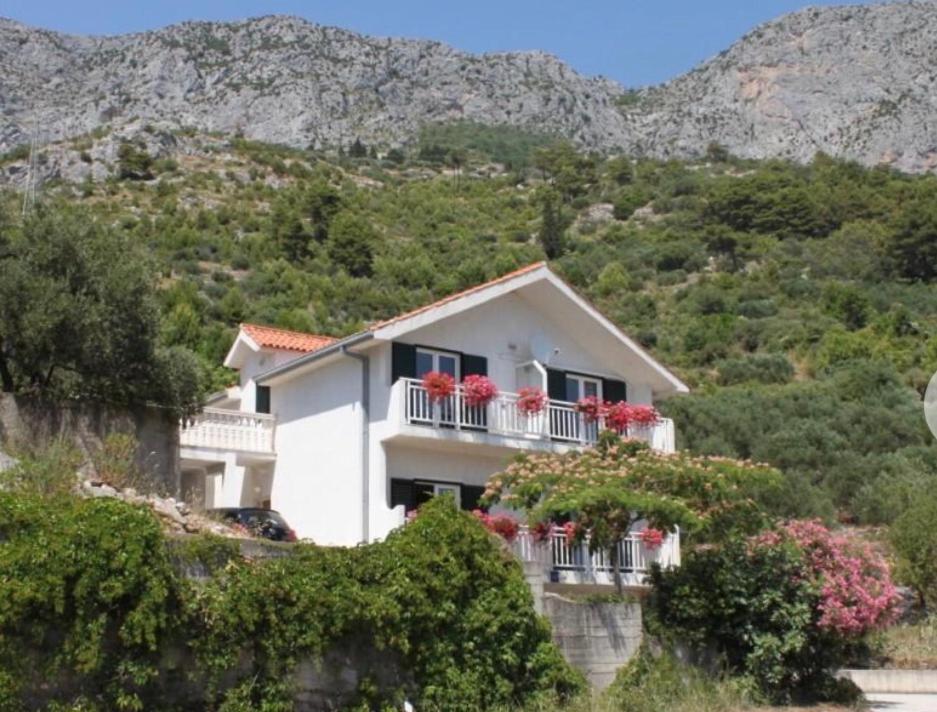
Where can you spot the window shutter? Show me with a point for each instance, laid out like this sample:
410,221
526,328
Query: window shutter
614,391
402,361
262,399
401,492
470,496
556,384
474,366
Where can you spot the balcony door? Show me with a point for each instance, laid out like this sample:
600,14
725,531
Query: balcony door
428,360
577,387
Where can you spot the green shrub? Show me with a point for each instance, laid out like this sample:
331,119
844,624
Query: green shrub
755,607
761,368
914,538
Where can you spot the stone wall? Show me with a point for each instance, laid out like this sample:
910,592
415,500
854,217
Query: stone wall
595,638
30,422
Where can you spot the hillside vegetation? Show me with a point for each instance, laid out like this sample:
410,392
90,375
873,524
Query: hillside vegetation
796,300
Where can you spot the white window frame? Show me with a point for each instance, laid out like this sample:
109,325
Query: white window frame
440,488
582,379
436,353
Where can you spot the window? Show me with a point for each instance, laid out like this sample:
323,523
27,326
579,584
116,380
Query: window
441,361
582,387
454,490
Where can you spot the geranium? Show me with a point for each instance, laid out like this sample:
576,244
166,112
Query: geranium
531,400
438,386
856,591
501,524
541,531
645,415
478,390
591,408
572,531
651,538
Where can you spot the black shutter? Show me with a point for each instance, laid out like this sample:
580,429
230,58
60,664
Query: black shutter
402,361
401,492
262,399
470,496
474,366
556,384
614,391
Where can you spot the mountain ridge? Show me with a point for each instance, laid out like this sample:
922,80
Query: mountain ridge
857,82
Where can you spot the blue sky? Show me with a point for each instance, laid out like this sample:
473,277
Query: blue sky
634,41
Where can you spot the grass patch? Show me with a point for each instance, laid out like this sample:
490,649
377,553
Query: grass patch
909,646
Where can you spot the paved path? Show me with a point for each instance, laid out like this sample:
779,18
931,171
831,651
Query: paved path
882,702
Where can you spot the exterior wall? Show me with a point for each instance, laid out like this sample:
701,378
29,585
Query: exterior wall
257,363
317,476
507,331
415,463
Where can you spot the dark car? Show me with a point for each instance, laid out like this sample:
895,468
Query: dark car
264,523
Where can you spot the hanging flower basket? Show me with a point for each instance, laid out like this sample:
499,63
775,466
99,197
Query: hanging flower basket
618,416
501,524
531,400
478,391
439,386
572,532
645,415
652,538
591,408
541,531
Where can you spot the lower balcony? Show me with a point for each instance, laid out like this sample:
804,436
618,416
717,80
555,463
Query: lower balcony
563,562
215,429
558,423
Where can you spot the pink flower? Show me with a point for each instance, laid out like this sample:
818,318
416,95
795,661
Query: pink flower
478,390
439,386
652,538
531,400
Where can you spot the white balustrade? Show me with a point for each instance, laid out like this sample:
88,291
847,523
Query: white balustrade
559,420
574,563
228,430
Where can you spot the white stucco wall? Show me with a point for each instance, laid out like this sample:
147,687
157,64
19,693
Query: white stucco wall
256,363
317,477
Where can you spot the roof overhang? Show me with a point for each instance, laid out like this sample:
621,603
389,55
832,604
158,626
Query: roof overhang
312,360
242,347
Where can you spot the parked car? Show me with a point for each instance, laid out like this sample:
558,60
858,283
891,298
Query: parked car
264,523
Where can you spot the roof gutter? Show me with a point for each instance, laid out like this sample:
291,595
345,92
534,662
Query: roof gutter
339,347
365,362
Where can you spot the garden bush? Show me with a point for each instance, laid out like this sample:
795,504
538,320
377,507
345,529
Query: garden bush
914,538
93,615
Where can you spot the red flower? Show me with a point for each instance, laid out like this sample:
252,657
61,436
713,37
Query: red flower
652,538
501,524
619,416
644,415
531,400
591,408
439,386
572,531
478,390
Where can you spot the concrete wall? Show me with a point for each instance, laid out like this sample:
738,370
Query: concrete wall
31,422
595,638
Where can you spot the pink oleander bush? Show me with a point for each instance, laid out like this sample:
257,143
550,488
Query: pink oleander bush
478,390
857,594
439,386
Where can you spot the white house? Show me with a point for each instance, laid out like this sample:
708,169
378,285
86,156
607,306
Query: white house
340,437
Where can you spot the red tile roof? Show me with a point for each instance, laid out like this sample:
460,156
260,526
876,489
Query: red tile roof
272,338
459,295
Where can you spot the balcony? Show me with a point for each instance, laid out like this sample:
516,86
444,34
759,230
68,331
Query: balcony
567,563
558,423
229,431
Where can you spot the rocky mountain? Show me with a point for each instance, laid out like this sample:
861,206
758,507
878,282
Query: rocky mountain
857,82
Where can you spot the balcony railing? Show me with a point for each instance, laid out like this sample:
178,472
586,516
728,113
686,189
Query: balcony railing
574,563
558,421
228,430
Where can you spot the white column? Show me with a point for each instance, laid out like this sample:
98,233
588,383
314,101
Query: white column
232,484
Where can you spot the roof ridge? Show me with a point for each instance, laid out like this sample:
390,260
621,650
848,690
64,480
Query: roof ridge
247,324
458,295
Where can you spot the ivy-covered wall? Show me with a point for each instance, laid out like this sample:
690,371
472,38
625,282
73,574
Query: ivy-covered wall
95,616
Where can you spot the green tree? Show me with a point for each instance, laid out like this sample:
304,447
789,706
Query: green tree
551,234
914,538
351,244
358,149
912,244
133,162
79,317
609,488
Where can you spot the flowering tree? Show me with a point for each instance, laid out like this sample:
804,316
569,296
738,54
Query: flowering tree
856,591
603,491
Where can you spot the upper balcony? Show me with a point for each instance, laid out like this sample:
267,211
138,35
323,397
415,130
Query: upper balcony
502,423
216,429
